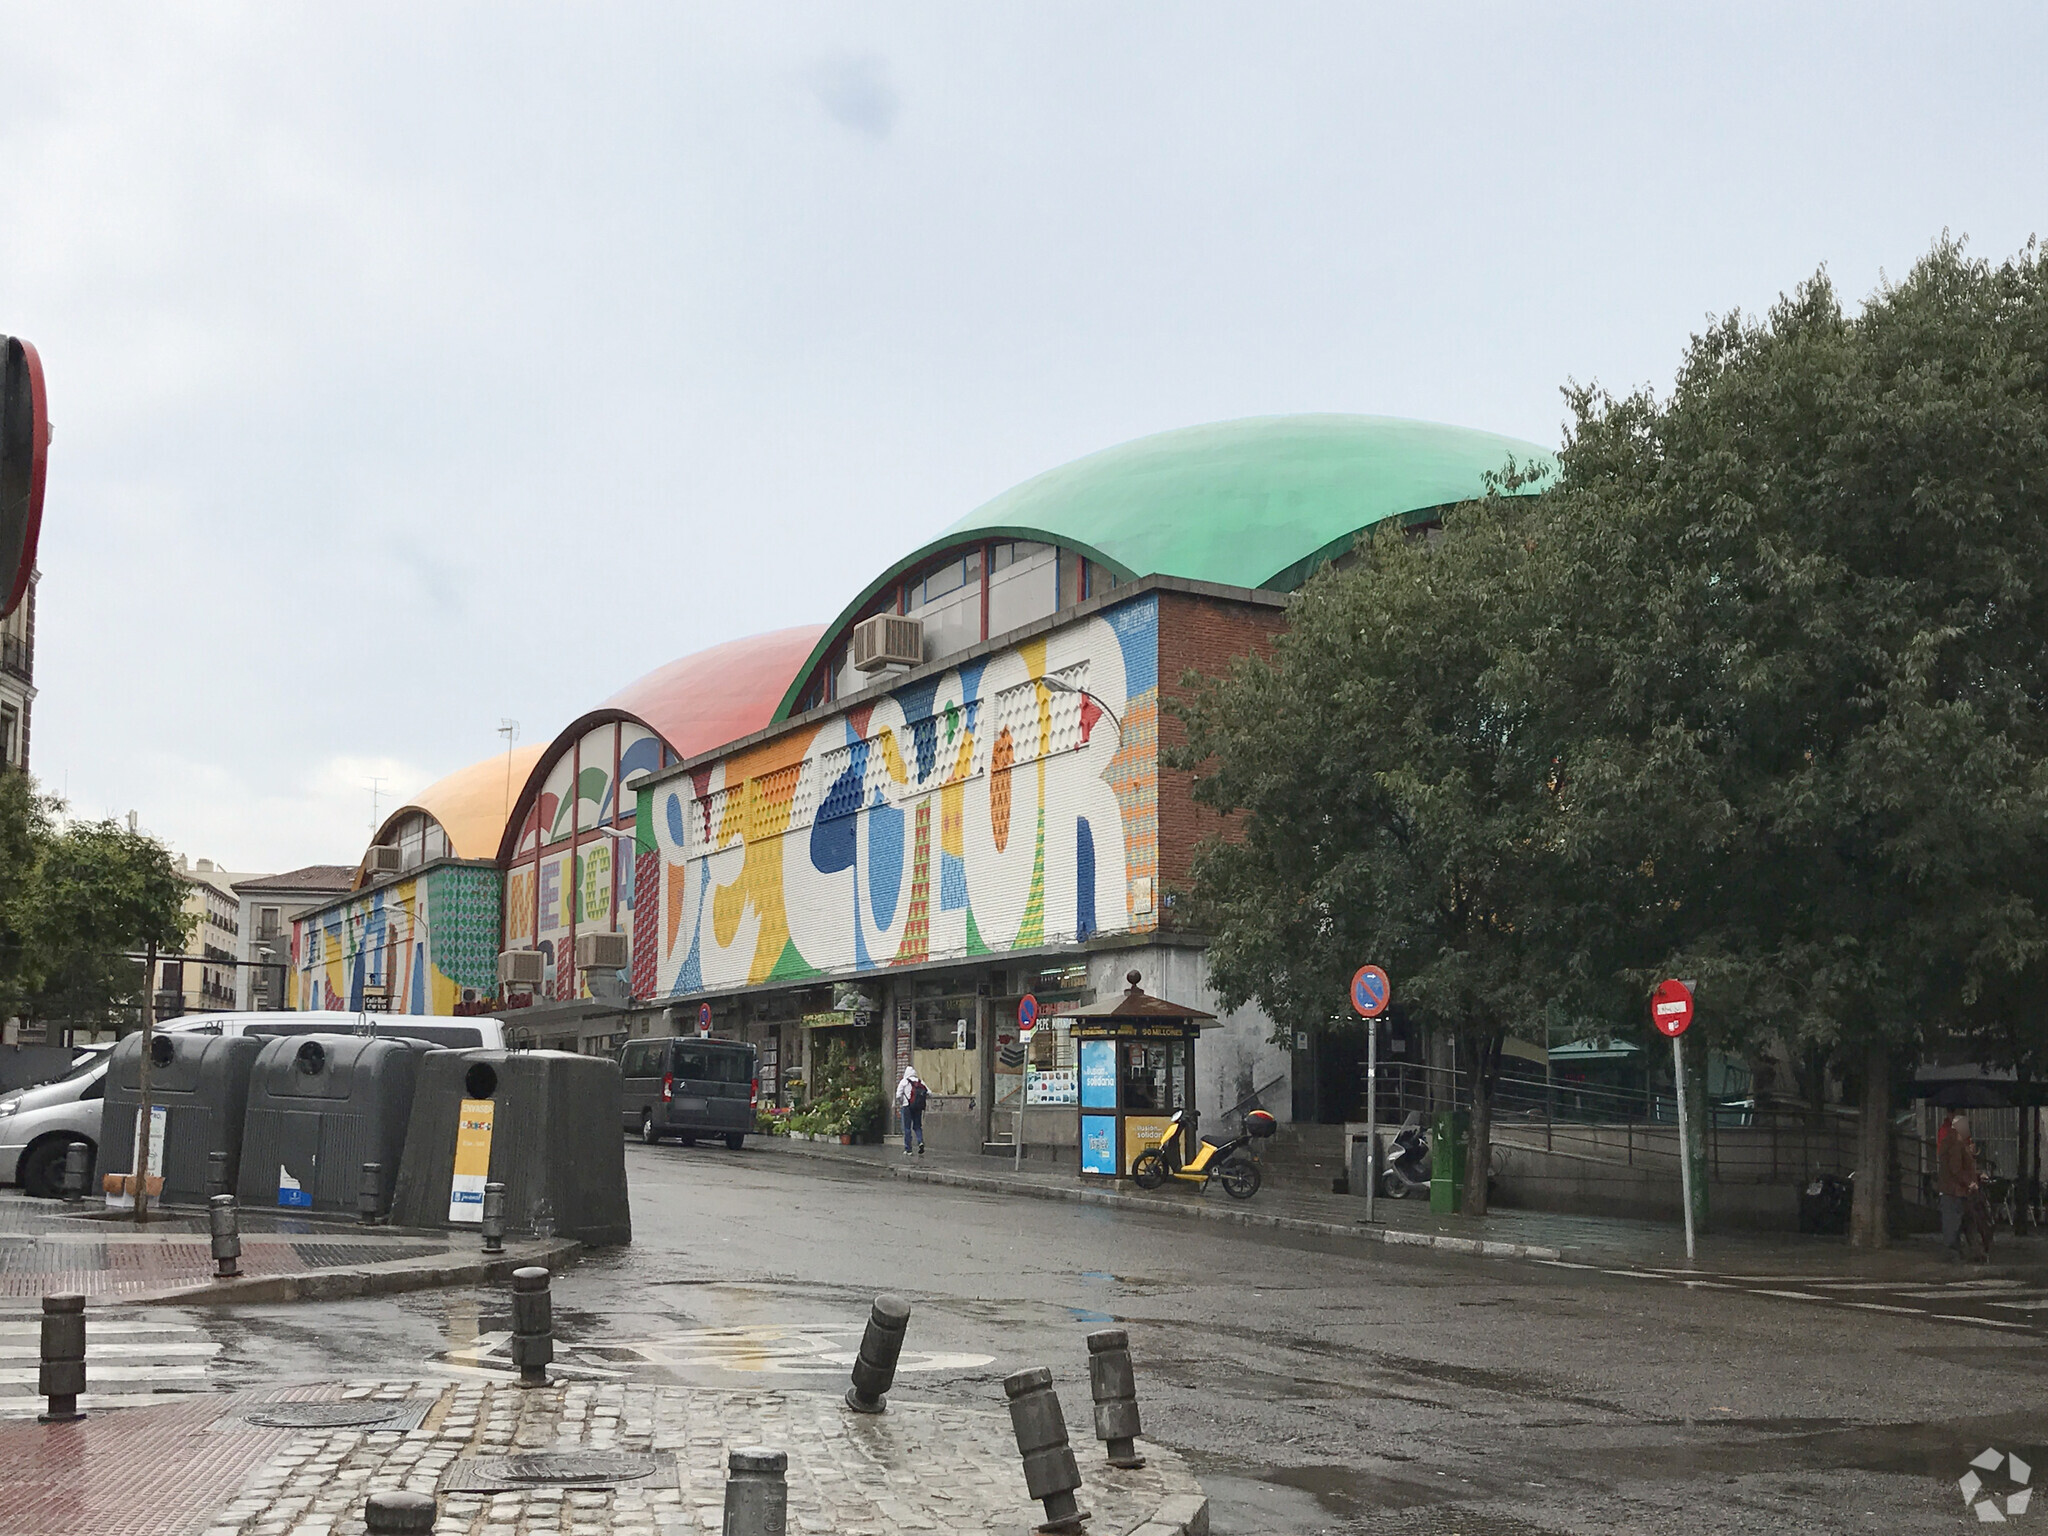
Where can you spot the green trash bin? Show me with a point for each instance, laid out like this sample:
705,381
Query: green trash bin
1450,1133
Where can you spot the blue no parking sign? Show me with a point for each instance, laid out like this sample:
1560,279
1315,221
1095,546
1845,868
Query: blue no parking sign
1370,990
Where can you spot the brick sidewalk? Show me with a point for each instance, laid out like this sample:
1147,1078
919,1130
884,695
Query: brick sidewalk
1502,1232
46,1249
201,1469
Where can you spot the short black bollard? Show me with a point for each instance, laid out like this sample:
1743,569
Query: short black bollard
756,1494
227,1236
61,1376
400,1514
881,1345
1049,1470
494,1217
370,1194
533,1326
75,1158
216,1174
1115,1386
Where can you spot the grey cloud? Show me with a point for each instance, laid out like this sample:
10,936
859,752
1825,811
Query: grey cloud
856,93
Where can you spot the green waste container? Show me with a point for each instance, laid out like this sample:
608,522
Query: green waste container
1450,1133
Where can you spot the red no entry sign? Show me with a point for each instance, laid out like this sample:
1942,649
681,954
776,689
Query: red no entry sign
1671,1008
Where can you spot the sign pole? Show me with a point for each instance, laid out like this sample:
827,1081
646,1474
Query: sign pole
1684,1140
145,1122
1372,1114
1027,1021
1370,994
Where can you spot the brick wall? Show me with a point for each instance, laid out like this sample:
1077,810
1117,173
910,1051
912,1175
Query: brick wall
1205,634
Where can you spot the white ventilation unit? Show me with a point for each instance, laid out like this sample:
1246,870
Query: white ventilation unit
603,952
521,967
383,859
887,641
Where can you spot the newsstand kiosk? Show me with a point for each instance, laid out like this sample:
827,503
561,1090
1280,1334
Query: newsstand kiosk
1137,1060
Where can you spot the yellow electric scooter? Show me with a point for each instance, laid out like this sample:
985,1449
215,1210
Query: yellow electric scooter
1225,1161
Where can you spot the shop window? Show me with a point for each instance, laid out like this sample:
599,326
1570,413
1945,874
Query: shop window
1155,1077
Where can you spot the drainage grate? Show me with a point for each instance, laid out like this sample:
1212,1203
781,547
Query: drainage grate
552,1469
361,1413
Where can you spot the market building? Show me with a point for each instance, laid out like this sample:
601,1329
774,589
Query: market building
961,801
887,832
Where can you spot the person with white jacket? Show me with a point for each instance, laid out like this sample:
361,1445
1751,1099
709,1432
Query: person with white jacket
911,1094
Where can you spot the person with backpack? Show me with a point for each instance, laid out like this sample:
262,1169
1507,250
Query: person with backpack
911,1097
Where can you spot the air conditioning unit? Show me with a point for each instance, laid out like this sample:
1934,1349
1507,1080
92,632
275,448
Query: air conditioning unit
521,967
887,641
383,859
603,952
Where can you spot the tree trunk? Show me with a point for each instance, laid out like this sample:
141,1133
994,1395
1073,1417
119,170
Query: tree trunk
1868,1225
1479,1149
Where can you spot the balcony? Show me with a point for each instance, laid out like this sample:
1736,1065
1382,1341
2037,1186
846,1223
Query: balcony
18,657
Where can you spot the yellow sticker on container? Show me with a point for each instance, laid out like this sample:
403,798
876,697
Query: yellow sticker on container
472,1161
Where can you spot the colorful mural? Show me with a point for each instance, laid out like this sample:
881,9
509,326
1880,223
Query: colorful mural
568,872
419,945
1008,804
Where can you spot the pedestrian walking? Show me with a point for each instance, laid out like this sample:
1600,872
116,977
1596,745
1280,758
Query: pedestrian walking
1956,1162
911,1095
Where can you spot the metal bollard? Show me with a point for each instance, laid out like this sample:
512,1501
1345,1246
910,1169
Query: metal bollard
874,1368
61,1375
216,1174
400,1514
370,1194
756,1495
1115,1386
75,1157
1049,1470
494,1217
227,1236
533,1326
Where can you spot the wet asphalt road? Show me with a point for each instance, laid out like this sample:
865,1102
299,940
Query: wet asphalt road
1314,1386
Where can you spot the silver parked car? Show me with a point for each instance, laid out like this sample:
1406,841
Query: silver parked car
38,1125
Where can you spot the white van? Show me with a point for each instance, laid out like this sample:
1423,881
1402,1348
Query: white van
38,1124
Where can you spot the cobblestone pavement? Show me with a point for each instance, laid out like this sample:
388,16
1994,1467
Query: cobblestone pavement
919,1467
46,1249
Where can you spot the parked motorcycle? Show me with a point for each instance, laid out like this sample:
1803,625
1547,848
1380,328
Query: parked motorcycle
1180,1156
1407,1167
1824,1205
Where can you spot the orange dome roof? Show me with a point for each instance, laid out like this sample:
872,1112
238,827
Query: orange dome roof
471,804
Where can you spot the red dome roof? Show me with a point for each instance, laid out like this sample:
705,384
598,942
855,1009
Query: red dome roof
705,700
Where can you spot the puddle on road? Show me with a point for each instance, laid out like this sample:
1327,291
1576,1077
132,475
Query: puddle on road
1251,1500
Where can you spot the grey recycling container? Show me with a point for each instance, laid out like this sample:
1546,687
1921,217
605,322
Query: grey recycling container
321,1106
554,1143
201,1083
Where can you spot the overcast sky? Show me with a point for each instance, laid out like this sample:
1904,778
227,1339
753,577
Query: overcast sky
419,366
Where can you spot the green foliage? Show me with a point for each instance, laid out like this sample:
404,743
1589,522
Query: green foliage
1757,695
75,901
845,1096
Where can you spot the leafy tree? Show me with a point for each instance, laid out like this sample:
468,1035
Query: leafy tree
24,829
1827,558
1758,695
97,893
1398,799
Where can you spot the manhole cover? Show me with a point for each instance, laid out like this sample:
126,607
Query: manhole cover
352,1415
559,1469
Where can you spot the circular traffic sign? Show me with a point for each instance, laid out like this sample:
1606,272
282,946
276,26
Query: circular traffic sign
1027,1013
704,1017
1671,1008
1370,990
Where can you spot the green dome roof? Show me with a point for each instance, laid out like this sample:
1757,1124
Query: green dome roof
1259,502
1252,503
